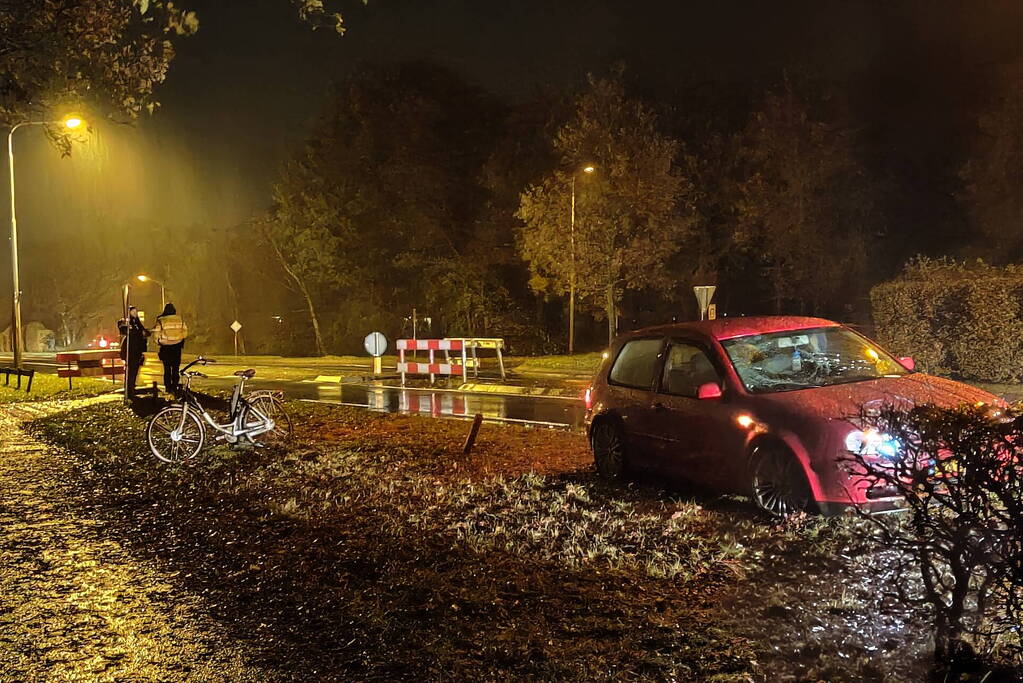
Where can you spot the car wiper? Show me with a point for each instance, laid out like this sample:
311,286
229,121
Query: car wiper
783,386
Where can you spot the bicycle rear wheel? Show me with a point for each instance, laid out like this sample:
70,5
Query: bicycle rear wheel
273,408
174,442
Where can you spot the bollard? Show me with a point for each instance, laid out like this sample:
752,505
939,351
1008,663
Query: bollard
473,431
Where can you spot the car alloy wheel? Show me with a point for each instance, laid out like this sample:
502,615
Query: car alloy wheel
608,450
779,486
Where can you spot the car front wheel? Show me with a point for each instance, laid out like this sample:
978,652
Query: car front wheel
608,446
779,485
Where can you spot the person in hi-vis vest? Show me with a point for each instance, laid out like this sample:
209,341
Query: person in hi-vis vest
170,331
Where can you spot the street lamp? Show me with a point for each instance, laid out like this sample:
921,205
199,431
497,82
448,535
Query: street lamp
163,291
71,122
589,168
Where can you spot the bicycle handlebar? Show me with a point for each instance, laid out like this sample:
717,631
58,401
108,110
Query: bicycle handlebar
200,359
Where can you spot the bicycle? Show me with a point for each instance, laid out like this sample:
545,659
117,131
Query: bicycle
177,434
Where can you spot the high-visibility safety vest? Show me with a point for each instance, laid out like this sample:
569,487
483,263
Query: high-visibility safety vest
170,329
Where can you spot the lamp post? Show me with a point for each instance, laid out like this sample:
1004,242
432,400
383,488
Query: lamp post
125,307
70,122
571,281
163,291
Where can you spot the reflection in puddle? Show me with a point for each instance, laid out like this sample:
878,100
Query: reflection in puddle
550,411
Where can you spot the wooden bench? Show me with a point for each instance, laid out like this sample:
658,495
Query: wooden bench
7,372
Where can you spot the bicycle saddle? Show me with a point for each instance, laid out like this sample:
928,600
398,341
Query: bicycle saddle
248,374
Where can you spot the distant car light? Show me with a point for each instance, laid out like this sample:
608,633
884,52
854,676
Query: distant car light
103,343
588,398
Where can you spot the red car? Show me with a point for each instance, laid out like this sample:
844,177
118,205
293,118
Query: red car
763,406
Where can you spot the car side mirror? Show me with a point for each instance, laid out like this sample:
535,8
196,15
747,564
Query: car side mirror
908,363
708,391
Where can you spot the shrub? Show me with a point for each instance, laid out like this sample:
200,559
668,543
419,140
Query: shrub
959,550
954,318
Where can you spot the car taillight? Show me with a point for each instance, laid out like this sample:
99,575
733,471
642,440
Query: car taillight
588,398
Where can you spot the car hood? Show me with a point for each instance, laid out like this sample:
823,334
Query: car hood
848,400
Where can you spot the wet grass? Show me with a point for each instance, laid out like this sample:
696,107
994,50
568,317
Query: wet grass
373,547
379,553
582,364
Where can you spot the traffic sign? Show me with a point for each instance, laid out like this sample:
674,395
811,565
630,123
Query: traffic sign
236,326
375,344
704,294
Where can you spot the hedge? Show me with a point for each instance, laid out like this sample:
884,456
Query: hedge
954,318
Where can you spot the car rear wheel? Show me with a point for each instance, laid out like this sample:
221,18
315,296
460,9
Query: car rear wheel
779,485
608,447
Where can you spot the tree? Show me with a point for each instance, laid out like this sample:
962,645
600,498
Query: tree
627,219
57,55
990,177
390,179
803,202
319,14
104,53
307,251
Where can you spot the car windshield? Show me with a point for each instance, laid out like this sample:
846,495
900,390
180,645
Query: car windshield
803,359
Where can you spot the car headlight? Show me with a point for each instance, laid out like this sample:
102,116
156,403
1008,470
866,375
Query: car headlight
872,442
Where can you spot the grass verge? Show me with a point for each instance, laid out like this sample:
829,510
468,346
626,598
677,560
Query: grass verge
583,364
372,547
53,388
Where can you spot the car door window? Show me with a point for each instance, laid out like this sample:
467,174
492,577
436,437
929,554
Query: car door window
686,367
636,364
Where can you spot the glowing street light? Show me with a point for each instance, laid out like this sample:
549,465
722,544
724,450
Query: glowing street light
71,122
589,168
163,291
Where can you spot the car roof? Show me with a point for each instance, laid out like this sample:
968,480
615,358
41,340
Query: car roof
729,328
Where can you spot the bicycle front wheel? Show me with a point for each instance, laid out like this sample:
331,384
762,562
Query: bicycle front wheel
273,408
173,440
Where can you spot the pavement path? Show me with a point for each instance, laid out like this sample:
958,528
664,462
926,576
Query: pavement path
77,606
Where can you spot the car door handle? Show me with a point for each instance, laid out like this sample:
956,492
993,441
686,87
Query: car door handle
660,407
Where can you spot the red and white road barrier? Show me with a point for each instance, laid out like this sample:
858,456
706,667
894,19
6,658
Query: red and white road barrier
430,345
466,346
432,368
90,364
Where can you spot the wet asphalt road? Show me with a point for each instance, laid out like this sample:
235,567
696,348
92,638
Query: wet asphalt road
548,411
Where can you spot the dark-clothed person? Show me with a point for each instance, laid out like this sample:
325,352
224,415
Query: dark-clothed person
170,331
133,342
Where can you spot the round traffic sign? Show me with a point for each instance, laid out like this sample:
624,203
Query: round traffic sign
375,344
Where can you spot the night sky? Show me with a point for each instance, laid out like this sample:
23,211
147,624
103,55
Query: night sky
242,92
245,87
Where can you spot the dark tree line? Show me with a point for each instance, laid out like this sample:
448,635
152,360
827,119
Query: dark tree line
416,190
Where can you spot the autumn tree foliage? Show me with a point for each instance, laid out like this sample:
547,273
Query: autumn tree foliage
108,55
59,55
803,203
383,204
628,217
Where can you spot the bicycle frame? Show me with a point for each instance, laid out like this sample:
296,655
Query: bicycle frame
233,429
